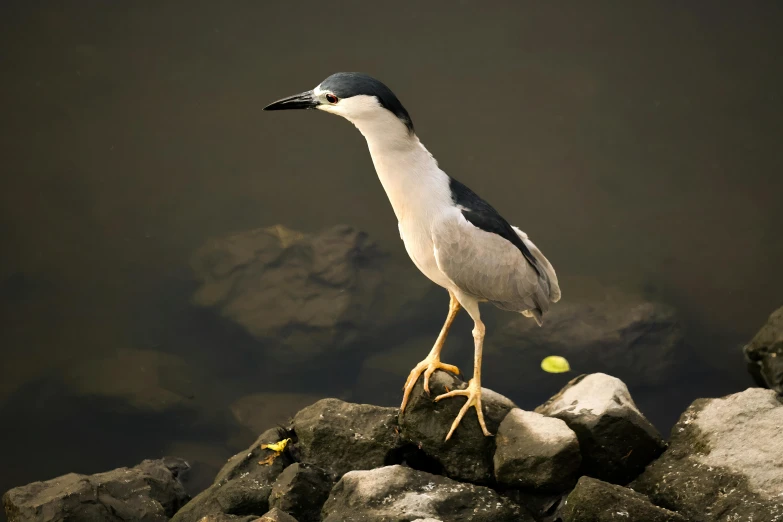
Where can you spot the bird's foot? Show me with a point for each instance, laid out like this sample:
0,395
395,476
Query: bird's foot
473,393
427,367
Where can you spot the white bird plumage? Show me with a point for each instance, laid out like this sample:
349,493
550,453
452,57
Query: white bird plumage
473,264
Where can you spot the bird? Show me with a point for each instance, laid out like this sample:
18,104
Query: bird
453,236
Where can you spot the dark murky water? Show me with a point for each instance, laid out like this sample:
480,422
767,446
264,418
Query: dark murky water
639,146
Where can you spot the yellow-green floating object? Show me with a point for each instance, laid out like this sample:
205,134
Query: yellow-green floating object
555,364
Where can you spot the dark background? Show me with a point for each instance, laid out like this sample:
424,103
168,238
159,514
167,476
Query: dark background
638,143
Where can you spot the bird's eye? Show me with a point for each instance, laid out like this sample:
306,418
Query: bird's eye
331,98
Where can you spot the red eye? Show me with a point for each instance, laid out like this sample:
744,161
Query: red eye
331,98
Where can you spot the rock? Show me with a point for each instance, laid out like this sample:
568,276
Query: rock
341,436
468,455
536,452
618,334
401,494
243,485
724,461
146,379
276,515
306,295
221,517
615,439
596,501
149,492
301,491
764,353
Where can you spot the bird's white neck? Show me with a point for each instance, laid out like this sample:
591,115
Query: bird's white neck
414,184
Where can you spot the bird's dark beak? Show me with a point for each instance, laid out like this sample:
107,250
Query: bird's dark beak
305,100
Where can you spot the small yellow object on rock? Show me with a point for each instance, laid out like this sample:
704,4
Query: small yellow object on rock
277,447
555,364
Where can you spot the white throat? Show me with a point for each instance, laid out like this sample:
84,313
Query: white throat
415,185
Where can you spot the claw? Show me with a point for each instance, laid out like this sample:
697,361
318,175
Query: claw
428,367
473,393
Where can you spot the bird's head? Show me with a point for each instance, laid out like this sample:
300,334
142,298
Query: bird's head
359,98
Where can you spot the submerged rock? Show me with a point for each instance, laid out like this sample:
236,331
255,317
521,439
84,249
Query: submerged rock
149,492
596,501
305,295
619,334
258,411
724,462
341,436
764,353
536,452
615,439
468,455
147,380
244,484
301,491
401,494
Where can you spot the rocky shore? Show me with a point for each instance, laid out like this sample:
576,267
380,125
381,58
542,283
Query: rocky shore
587,454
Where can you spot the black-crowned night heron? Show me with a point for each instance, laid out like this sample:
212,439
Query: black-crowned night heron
453,236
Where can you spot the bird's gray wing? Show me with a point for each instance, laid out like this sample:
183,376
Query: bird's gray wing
487,266
549,270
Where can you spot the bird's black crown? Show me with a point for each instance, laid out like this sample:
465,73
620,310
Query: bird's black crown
347,84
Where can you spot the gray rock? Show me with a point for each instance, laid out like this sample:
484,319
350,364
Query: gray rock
149,492
243,485
276,515
615,439
222,517
401,494
301,491
536,452
618,334
341,436
544,507
306,295
468,455
764,353
596,501
724,462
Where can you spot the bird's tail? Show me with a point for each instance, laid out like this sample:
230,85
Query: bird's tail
549,289
547,271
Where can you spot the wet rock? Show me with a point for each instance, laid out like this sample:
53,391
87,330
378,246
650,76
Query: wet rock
544,507
301,491
221,517
764,353
618,334
724,461
596,501
307,295
149,492
276,515
536,452
468,455
615,439
341,436
243,485
401,494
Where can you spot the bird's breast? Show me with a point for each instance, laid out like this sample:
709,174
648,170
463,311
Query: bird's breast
417,238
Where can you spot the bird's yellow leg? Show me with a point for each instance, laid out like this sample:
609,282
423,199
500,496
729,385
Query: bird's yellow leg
432,361
473,391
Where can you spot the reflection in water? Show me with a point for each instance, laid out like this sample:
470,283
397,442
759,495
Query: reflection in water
640,144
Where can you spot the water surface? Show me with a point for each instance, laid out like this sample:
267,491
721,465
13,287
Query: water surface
638,145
